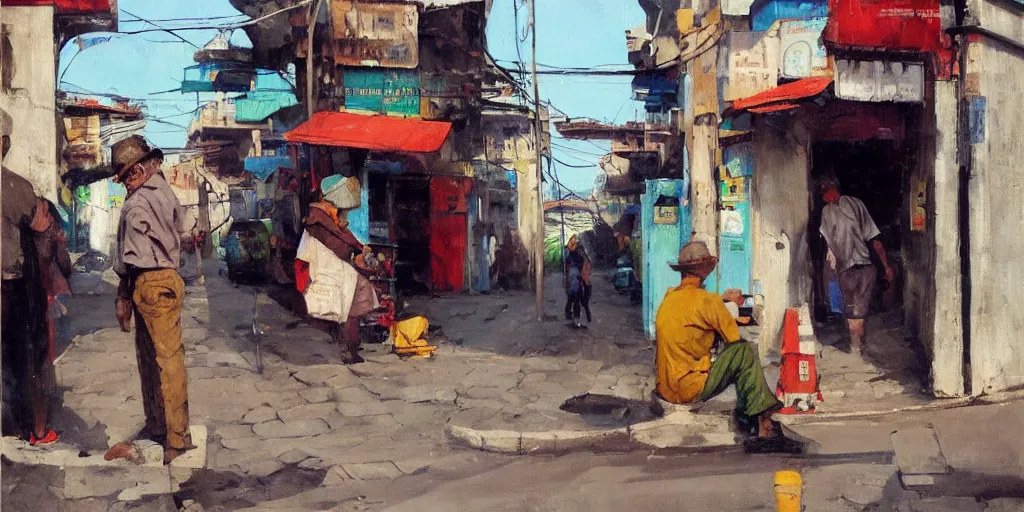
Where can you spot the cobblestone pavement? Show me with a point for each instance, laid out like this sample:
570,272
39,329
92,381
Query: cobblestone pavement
309,423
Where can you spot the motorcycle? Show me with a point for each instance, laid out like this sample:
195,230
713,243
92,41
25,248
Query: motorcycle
625,280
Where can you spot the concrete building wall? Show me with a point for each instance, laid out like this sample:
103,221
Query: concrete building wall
946,330
30,96
509,142
994,192
779,222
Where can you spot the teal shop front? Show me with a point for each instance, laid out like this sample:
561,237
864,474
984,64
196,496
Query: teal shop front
666,225
393,92
735,252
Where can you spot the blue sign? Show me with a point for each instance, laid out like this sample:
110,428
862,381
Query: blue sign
976,118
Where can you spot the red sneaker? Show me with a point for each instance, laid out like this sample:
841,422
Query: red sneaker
50,438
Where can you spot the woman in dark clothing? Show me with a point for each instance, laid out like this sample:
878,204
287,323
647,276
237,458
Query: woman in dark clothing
577,282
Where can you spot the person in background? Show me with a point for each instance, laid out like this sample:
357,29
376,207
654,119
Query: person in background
577,282
147,257
55,267
328,224
689,322
848,230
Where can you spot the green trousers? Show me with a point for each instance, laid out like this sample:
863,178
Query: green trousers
738,364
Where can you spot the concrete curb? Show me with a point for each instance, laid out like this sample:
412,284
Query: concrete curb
940,404
680,430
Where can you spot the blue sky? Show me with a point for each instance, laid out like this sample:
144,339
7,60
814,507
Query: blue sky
571,33
575,33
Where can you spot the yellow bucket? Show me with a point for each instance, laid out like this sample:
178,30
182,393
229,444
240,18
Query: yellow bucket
787,491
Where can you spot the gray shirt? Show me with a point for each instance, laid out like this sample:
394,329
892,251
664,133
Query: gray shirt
847,227
150,229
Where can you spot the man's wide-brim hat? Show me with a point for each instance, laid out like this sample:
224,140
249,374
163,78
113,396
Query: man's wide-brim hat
695,259
130,151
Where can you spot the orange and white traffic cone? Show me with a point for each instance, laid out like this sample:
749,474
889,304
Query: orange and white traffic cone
798,375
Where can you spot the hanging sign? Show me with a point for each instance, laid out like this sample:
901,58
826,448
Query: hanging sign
917,221
376,34
879,81
731,222
666,215
753,64
802,54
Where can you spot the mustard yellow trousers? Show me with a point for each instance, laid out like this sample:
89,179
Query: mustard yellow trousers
158,298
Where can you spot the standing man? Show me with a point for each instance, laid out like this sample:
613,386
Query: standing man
848,229
149,239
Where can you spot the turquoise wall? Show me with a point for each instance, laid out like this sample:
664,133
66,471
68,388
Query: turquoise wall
662,243
736,256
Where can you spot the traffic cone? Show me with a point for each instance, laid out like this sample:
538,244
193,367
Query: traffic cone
798,375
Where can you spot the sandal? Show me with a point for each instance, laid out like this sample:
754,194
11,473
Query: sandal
50,438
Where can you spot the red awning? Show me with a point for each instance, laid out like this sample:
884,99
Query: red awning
782,97
377,133
64,6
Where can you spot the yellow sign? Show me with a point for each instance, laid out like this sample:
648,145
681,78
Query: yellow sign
666,215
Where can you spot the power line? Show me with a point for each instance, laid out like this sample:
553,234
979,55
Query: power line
580,151
186,19
574,166
163,29
231,26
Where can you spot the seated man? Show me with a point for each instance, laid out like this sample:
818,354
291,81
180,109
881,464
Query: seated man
686,327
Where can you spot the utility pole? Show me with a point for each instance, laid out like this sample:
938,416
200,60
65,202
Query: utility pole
314,12
539,134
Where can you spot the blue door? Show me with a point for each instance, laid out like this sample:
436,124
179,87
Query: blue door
734,238
666,227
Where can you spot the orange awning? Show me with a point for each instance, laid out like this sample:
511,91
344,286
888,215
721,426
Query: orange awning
376,133
782,97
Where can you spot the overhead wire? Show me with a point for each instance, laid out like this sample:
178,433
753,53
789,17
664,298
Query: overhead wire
162,28
230,26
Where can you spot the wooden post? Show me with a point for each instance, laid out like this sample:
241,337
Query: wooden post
314,12
539,135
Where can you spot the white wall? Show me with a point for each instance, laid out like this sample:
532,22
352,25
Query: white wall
31,102
780,213
946,333
996,239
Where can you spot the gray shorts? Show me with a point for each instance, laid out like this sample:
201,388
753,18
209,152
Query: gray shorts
858,286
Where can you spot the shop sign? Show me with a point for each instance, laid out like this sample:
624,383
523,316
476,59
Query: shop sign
914,25
732,223
392,92
918,219
379,230
753,64
666,215
376,34
802,53
879,81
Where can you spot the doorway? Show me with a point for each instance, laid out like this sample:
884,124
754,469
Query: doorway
873,171
411,232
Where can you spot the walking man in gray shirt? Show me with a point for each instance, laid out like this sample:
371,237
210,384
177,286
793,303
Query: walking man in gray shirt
848,229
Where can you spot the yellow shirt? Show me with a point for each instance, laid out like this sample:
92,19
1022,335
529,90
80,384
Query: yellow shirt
685,328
